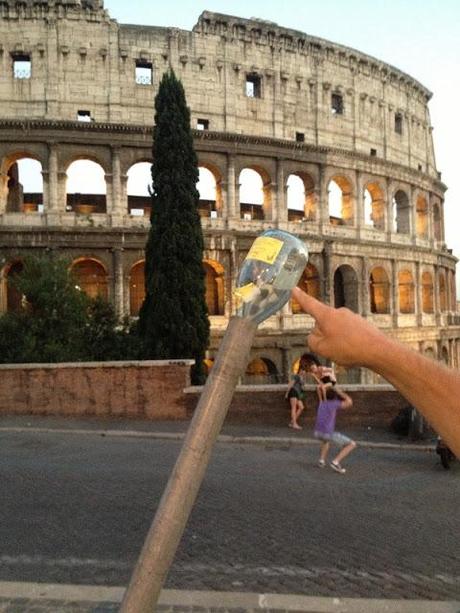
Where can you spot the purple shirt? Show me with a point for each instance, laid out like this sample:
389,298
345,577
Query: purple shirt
326,414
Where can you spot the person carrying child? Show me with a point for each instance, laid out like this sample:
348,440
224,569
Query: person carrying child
324,430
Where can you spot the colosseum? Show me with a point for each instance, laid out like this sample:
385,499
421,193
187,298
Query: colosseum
291,131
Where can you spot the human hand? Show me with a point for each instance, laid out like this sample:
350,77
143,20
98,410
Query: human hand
340,334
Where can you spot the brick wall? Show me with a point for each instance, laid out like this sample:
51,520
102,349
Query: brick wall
148,389
372,405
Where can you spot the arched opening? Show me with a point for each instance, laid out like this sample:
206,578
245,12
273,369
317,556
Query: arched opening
91,277
442,292
406,292
374,206
379,290
310,283
346,288
214,287
25,186
85,188
427,293
453,292
421,217
301,198
208,363
254,196
401,212
340,201
437,227
136,288
430,353
261,371
209,187
137,188
445,355
14,298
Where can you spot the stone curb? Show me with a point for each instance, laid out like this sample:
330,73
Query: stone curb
221,600
223,438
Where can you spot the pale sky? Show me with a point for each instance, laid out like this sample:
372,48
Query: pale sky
420,38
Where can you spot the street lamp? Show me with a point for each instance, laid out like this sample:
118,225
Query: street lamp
272,267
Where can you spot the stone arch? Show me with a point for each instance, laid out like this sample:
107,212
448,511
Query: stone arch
379,290
401,212
346,288
301,201
340,200
453,291
427,293
209,187
139,181
91,277
136,287
442,291
23,183
437,221
444,355
374,205
254,190
94,198
406,292
214,287
11,298
261,371
429,352
310,283
421,216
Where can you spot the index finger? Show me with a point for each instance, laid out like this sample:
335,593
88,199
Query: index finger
310,305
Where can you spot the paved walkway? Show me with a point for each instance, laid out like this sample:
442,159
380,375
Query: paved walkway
48,598
51,598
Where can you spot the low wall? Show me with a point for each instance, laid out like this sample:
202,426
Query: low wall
373,405
160,390
145,389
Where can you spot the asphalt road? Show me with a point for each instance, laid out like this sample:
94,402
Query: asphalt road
75,509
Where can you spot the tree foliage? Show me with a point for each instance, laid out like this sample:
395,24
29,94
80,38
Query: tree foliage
58,322
173,320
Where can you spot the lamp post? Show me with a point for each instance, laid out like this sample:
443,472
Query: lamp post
271,269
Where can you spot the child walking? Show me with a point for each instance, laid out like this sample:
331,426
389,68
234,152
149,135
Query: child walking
325,428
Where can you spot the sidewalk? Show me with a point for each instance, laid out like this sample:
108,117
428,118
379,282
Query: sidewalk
175,430
52,598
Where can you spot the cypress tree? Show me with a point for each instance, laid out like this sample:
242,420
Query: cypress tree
173,320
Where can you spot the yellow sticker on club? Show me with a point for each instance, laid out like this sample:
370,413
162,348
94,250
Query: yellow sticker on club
265,249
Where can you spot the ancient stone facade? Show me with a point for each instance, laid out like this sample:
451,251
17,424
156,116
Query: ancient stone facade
301,114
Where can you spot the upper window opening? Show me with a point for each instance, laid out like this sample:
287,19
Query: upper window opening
300,137
373,152
337,104
398,123
202,124
144,72
22,67
253,86
84,116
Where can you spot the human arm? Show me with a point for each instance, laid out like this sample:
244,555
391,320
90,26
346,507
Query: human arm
347,402
350,340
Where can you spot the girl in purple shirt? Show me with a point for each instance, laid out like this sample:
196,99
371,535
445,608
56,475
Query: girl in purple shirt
325,428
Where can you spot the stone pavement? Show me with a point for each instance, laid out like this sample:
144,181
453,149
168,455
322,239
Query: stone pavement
48,598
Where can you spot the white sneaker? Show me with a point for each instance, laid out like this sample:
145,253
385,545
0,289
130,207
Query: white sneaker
337,468
321,463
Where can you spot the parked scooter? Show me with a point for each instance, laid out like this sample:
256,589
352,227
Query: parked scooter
445,454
